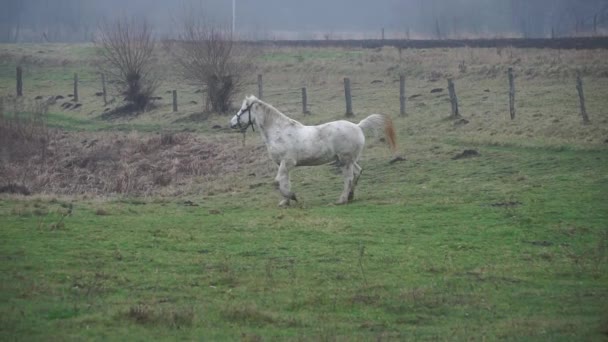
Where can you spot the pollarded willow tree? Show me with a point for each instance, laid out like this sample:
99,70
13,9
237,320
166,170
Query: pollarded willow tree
127,50
210,56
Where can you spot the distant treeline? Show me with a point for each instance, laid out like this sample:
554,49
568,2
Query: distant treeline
541,43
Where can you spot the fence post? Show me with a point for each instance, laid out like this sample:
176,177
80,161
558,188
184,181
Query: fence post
175,100
103,89
402,95
75,87
347,95
453,99
511,94
260,87
581,97
305,101
595,25
19,81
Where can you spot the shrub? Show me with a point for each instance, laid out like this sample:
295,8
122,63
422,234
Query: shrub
23,128
211,57
127,49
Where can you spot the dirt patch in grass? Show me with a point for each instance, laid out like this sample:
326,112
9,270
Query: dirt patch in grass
251,315
171,317
14,189
194,117
466,154
507,204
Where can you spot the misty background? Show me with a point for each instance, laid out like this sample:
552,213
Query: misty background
78,20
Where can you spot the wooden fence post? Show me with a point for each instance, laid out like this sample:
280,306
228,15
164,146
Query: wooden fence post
305,101
511,94
75,87
175,100
453,99
347,95
402,95
103,89
260,87
19,81
581,97
595,25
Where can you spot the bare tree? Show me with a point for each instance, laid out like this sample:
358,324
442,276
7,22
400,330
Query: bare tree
127,48
23,129
211,57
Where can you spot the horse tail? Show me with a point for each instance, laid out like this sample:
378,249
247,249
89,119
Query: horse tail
375,122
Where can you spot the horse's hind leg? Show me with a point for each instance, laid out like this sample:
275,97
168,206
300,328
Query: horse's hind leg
347,173
282,179
357,171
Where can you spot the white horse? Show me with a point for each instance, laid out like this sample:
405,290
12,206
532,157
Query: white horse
292,144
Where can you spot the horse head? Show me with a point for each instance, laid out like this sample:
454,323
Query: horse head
243,118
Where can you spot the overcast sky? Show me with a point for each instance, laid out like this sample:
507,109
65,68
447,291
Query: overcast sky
63,19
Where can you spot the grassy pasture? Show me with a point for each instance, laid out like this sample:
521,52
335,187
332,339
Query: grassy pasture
509,244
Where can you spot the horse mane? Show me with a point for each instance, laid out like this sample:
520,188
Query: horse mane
272,115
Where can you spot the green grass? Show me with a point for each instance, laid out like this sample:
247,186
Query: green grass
307,55
510,244
44,78
73,123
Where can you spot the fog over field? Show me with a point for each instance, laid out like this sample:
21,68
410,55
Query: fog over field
77,20
156,180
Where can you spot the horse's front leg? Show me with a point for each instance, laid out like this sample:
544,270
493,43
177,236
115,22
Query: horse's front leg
282,181
347,173
357,171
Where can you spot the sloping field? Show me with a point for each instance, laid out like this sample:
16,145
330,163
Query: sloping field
165,226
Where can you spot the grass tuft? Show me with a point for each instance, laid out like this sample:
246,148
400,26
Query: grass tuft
172,317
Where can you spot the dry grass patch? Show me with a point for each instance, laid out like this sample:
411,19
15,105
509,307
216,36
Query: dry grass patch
133,164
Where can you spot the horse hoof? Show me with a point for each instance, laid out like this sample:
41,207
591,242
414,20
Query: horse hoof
351,196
